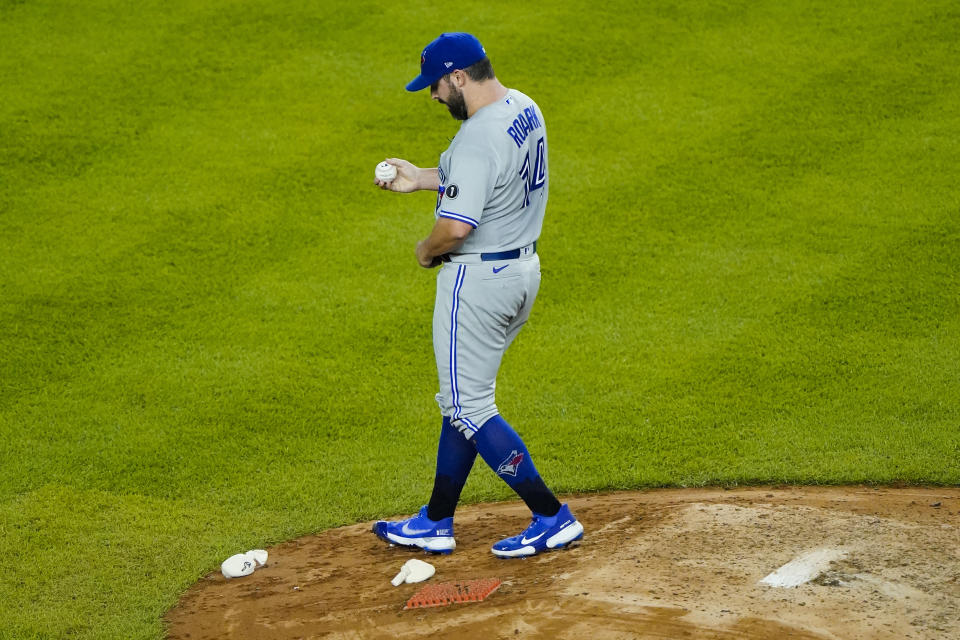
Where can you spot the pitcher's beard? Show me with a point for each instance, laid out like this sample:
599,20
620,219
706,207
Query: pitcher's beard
456,104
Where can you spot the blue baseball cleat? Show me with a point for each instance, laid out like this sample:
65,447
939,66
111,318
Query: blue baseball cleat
420,531
544,534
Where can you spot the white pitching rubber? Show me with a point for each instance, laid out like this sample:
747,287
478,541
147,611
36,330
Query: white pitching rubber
804,568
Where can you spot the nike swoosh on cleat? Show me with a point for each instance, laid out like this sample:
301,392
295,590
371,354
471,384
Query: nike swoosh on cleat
407,531
496,270
533,539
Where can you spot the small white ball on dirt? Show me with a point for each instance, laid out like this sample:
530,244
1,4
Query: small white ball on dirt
237,566
385,172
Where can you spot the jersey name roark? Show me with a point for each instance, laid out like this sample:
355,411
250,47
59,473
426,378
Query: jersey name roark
525,122
494,175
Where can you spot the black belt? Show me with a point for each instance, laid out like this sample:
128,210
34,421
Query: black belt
513,254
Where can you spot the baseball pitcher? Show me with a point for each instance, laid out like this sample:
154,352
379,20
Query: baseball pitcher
492,184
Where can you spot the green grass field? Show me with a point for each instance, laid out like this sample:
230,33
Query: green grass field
214,335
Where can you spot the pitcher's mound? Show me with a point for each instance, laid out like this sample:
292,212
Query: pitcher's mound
873,563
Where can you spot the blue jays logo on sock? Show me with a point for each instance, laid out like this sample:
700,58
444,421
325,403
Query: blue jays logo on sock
509,466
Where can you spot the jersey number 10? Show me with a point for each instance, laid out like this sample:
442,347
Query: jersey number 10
535,178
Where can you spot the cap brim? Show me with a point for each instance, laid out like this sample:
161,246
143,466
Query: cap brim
420,82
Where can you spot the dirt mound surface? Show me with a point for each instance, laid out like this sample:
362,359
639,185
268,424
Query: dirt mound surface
652,564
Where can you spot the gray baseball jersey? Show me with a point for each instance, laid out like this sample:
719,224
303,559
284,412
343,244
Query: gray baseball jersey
493,176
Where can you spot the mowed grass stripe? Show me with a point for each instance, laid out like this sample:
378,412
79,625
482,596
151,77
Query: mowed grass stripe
217,338
874,99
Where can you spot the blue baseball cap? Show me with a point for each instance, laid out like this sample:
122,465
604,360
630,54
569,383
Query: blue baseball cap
448,52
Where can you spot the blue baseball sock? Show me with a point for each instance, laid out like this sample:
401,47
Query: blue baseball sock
503,450
455,456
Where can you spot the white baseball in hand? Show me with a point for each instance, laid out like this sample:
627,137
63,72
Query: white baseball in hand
385,172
